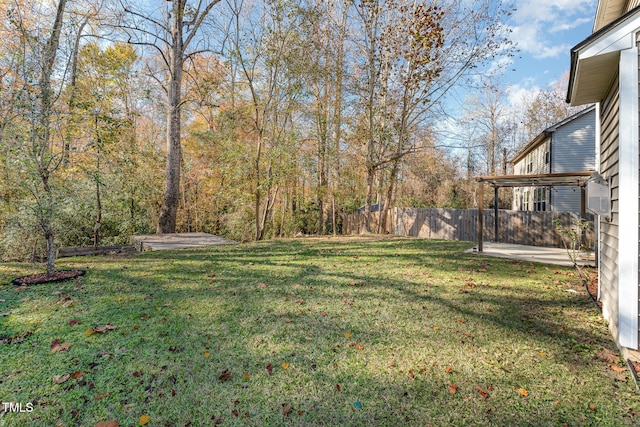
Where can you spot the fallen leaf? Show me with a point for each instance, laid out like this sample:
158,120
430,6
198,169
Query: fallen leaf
523,392
89,332
144,420
285,365
347,335
359,347
592,406
482,392
449,369
608,355
269,369
73,322
246,376
101,329
436,327
119,299
323,314
77,374
101,396
225,375
60,346
286,409
618,369
453,388
59,379
288,320
338,387
206,354
110,423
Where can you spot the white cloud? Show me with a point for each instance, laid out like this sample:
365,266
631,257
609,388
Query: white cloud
540,28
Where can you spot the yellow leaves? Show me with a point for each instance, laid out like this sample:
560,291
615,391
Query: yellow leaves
207,354
523,392
347,335
436,327
285,365
144,420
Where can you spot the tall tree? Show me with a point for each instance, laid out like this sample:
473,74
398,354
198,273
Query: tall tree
174,36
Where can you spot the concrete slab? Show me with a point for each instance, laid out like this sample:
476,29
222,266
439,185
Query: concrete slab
164,242
557,256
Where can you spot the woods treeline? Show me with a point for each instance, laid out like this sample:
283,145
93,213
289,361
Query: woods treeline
248,119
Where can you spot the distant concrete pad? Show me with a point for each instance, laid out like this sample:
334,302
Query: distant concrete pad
164,242
557,256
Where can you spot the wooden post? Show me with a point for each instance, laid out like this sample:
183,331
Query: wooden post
495,213
480,214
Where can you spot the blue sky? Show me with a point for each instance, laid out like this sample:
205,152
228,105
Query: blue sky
545,31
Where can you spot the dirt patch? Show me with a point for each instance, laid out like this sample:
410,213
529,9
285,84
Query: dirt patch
58,276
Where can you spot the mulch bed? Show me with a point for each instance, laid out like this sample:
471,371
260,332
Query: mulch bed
58,276
590,280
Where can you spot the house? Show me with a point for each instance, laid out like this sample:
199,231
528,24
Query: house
567,146
604,70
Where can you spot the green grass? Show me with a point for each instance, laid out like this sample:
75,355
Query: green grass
357,332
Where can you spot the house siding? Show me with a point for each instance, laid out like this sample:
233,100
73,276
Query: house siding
632,4
572,150
609,229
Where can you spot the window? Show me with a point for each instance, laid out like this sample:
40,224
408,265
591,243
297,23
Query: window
525,200
540,199
529,163
547,153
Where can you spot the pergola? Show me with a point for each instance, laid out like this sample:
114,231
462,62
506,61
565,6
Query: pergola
570,179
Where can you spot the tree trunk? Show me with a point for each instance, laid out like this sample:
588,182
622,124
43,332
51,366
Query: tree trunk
169,210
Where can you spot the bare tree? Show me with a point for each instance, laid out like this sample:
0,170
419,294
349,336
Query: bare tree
171,31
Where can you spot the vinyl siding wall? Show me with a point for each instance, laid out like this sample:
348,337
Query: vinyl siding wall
609,229
572,150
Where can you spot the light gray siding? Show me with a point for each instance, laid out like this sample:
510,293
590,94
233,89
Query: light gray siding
609,229
572,150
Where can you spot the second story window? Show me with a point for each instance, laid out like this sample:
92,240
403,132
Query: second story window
529,163
547,153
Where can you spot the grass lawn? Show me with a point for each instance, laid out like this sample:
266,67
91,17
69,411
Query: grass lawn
354,331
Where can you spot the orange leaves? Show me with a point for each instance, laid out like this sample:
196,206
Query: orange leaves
449,369
523,392
110,423
77,375
323,314
482,392
453,388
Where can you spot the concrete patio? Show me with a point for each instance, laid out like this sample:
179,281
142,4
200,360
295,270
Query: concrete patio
557,256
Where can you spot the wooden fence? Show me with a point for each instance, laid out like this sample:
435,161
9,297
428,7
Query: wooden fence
517,227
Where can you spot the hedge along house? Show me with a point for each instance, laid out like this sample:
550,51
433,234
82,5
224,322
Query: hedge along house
604,70
566,146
